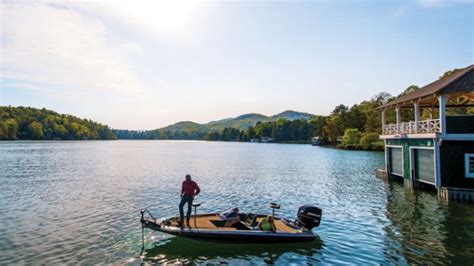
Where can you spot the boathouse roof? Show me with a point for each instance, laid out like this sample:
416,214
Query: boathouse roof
460,82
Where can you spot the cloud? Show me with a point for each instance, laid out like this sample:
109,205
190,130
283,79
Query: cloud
60,47
400,12
152,17
440,3
407,9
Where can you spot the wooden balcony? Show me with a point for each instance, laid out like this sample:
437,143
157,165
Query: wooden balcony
412,127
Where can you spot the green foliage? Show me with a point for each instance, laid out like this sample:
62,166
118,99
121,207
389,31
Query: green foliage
230,134
8,129
292,127
33,123
333,128
183,130
283,130
360,121
212,136
349,146
245,121
351,136
214,130
35,130
371,141
450,72
410,89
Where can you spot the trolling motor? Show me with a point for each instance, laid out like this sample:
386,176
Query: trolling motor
146,223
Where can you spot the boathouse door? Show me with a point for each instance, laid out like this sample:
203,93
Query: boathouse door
423,165
395,156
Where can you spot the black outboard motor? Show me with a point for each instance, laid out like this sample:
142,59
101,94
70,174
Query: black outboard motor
309,216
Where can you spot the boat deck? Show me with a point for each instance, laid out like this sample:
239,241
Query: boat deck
206,222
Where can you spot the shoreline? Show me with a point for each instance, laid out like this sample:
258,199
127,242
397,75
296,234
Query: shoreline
329,146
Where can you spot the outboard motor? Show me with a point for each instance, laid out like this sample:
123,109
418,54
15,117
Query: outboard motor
309,216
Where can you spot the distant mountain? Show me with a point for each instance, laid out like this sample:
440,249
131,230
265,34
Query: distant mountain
241,122
186,126
219,121
251,116
292,115
192,130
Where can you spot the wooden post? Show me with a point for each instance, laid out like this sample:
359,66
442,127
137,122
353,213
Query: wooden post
416,107
442,114
383,121
397,111
437,161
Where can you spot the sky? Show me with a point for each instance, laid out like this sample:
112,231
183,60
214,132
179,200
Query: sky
147,64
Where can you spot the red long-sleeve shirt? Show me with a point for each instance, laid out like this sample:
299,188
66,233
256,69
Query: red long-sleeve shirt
190,188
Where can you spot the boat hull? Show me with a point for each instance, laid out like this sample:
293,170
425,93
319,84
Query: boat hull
236,236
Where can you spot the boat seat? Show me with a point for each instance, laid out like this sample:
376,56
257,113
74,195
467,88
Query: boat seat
196,204
274,205
250,220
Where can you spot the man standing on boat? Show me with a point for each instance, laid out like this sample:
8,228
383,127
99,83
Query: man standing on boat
188,191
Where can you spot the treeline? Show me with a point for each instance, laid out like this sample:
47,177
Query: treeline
26,123
282,130
159,134
355,127
358,126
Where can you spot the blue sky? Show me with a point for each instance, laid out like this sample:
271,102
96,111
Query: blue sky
147,64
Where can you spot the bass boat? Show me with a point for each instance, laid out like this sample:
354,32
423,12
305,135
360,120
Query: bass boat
236,226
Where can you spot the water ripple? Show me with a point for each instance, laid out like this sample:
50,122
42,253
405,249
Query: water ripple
77,203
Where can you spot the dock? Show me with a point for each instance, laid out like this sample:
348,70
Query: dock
436,148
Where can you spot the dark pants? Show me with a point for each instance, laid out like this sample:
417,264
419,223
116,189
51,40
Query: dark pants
185,199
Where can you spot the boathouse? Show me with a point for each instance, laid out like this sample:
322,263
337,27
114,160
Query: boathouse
434,145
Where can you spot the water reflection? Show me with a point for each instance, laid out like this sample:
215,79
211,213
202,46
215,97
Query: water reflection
77,203
177,249
425,229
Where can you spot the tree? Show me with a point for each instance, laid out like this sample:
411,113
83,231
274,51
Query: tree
333,128
36,130
17,123
59,131
351,136
381,98
315,126
449,72
12,129
341,109
410,89
356,117
3,130
212,135
371,141
230,134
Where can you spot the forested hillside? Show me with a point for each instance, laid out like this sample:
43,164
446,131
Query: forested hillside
190,130
182,130
355,127
42,124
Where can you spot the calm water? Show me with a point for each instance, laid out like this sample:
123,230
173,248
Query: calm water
77,202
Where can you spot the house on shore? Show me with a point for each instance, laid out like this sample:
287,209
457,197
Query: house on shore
436,152
262,140
316,141
266,139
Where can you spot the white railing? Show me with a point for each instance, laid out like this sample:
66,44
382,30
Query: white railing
422,127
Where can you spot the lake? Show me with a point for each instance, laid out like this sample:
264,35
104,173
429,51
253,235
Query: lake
78,202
